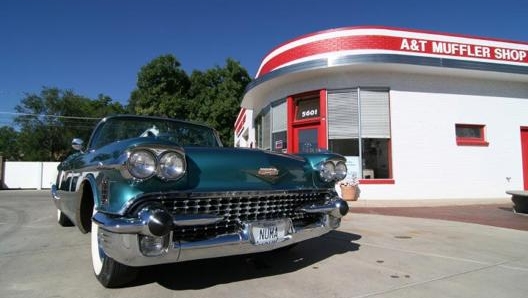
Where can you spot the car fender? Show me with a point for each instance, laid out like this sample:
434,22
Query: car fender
87,199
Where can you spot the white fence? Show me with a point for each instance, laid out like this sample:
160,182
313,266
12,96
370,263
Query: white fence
29,174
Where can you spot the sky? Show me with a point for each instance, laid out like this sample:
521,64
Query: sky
98,46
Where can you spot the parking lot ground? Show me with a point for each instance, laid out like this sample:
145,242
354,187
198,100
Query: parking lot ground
371,255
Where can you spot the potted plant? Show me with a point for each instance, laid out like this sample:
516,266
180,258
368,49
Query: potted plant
350,189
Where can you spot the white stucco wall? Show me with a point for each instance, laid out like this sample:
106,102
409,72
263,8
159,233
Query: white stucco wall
426,159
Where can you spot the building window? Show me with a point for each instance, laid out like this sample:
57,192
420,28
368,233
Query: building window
359,129
258,131
375,155
271,126
262,124
470,135
307,108
279,126
279,141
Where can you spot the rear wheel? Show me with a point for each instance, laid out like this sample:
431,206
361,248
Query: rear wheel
63,220
108,271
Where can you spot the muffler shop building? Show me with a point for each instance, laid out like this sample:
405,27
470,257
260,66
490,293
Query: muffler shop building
418,115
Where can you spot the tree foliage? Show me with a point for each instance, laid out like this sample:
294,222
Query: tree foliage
51,119
8,143
161,89
212,97
215,97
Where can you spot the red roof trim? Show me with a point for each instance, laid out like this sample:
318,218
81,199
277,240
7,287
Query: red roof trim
424,31
239,117
357,42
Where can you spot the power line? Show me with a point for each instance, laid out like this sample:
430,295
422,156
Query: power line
51,116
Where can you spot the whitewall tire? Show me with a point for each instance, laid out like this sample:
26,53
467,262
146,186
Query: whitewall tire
97,262
110,273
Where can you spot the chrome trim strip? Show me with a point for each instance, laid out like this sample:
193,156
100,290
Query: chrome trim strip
335,208
196,220
123,225
120,225
318,209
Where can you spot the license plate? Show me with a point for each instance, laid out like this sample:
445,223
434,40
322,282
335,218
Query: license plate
268,232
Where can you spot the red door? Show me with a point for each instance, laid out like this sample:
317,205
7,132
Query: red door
307,122
524,146
306,139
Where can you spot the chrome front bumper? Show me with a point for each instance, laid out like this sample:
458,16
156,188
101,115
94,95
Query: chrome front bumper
119,237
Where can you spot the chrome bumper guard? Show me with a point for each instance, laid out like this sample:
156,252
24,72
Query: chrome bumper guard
120,236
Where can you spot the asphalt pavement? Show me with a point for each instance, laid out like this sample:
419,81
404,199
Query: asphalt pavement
371,255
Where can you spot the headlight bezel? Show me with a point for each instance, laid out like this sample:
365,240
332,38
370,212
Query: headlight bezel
132,167
161,164
158,155
341,171
332,170
327,171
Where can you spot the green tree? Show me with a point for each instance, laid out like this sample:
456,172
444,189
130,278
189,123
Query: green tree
212,96
9,143
215,97
161,89
50,120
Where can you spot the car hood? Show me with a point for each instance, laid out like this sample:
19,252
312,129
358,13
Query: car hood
210,168
231,169
245,169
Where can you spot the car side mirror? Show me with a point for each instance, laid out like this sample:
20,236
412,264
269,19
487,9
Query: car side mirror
77,144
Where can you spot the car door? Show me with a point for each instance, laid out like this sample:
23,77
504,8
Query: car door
68,176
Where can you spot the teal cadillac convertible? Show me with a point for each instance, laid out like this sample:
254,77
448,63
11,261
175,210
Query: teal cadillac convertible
157,190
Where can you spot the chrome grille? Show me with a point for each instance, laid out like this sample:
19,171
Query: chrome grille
239,207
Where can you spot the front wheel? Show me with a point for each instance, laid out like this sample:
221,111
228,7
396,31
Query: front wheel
110,273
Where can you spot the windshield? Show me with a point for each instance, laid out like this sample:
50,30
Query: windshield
182,133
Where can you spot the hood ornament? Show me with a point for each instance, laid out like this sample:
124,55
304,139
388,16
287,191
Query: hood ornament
268,174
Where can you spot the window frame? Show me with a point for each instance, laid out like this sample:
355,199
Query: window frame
315,119
471,141
275,106
356,95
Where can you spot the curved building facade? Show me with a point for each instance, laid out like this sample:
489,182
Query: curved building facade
417,114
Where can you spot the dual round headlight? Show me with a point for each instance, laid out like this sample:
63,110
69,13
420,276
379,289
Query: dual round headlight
333,171
171,165
143,164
